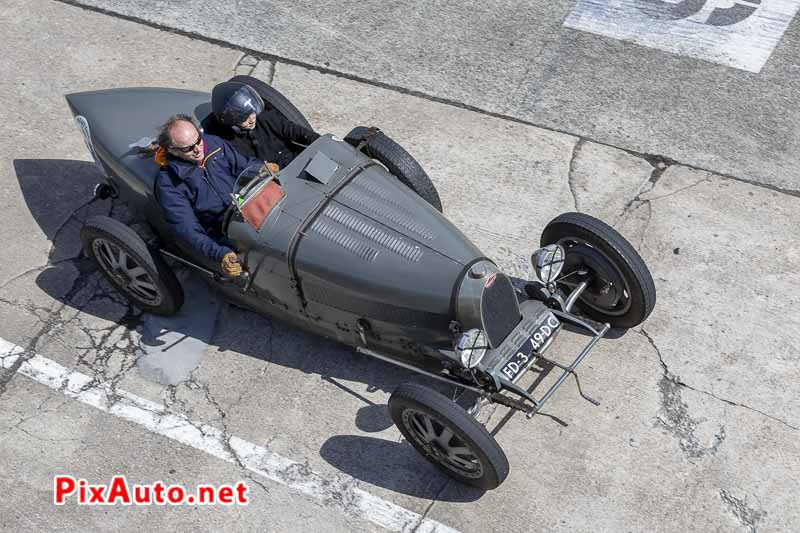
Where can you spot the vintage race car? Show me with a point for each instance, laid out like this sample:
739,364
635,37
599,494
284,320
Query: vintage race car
349,241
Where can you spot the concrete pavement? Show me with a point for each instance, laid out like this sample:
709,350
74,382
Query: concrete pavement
697,430
520,60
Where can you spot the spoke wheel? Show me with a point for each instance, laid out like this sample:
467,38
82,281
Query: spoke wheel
448,437
441,442
128,274
127,263
621,290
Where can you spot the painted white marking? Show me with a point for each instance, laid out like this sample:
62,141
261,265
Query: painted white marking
737,33
154,417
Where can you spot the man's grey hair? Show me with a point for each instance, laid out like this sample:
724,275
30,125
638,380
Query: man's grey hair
164,140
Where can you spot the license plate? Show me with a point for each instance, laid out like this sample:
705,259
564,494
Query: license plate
529,349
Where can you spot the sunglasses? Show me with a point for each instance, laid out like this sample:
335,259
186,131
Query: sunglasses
191,147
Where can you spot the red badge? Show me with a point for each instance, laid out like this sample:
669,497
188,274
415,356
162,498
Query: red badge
490,280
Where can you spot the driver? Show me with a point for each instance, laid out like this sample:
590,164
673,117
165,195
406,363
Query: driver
240,118
194,186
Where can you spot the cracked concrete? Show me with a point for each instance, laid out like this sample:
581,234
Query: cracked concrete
245,65
571,176
672,401
675,416
748,516
697,252
701,399
605,181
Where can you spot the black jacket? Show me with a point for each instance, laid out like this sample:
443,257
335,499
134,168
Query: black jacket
274,139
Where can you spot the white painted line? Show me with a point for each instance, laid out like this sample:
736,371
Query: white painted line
339,492
738,33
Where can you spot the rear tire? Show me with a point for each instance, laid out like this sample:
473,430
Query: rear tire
127,263
589,241
448,437
399,162
274,99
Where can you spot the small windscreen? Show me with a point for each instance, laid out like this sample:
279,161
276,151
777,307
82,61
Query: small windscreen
259,203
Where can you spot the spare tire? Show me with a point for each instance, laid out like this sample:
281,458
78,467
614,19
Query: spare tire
275,100
399,162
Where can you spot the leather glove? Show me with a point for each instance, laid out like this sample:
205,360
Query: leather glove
268,168
231,266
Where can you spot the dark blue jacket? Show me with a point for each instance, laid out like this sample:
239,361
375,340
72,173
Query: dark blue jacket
194,198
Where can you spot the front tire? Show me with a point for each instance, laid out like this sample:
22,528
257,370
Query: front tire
127,263
621,291
448,437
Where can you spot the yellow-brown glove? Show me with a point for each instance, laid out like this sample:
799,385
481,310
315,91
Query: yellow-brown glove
231,266
268,168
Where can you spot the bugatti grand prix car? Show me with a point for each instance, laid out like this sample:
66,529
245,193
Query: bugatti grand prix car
349,241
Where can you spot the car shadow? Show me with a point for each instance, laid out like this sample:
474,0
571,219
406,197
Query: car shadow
394,466
56,191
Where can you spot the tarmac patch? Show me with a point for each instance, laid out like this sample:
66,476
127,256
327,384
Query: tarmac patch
173,346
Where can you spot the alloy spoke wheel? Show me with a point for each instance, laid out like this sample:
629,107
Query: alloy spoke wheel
442,444
126,272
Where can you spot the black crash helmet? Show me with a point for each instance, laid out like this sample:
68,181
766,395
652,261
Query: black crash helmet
233,102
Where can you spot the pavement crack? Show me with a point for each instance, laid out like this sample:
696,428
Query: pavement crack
676,416
576,150
660,165
675,412
226,436
748,516
52,322
43,439
103,349
707,179
271,67
434,501
22,275
646,224
246,65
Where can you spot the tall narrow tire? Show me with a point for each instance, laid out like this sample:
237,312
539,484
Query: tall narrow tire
448,437
399,162
622,291
273,98
125,260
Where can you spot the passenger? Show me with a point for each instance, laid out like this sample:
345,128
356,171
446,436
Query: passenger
194,186
240,118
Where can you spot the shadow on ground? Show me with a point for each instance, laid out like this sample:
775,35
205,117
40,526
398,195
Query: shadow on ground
355,455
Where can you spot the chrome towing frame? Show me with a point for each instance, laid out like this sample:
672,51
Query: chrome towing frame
526,402
569,369
534,405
